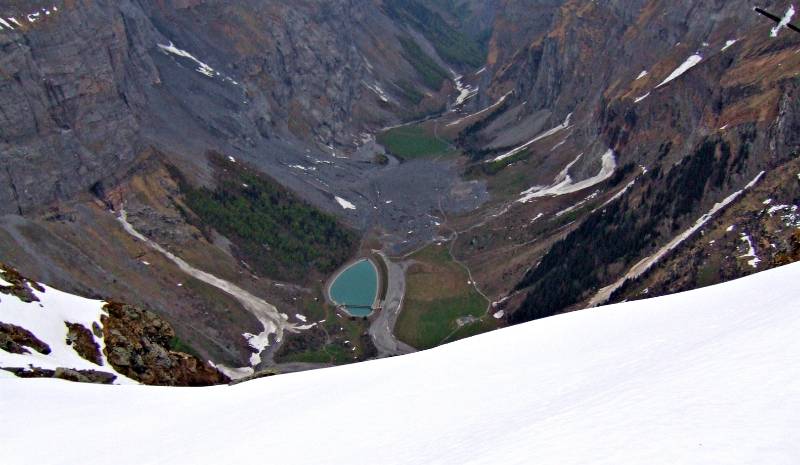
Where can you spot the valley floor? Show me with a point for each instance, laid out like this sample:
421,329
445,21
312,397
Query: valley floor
707,376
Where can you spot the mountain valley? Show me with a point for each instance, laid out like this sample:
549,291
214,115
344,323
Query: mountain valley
216,162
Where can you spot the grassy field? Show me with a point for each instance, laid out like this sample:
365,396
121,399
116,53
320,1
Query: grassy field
410,142
437,295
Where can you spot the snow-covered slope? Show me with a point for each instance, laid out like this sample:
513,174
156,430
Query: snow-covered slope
709,376
46,319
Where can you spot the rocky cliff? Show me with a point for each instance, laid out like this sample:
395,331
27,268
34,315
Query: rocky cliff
685,103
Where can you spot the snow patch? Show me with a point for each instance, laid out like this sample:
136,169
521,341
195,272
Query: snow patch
303,168
690,63
465,91
378,91
489,108
646,263
202,68
728,44
641,75
266,313
751,251
548,133
47,319
787,18
344,203
563,183
639,99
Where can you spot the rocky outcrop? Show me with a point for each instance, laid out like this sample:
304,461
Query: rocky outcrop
82,341
19,285
137,344
16,340
67,374
89,87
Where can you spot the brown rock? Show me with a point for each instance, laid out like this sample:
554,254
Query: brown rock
138,345
15,339
81,340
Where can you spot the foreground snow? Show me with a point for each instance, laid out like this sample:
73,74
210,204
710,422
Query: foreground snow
706,377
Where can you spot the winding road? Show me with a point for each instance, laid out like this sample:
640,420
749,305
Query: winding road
382,328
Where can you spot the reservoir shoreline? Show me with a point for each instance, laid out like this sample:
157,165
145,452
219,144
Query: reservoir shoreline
380,284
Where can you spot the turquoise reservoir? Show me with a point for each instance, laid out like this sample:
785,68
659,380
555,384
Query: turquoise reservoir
356,288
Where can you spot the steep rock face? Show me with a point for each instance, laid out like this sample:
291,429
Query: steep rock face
89,86
605,75
63,99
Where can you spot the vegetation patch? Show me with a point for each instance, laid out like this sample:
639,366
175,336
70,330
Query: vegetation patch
410,92
495,167
437,295
337,339
432,74
409,142
278,234
617,236
451,44
470,139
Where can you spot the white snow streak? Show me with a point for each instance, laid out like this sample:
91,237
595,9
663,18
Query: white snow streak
563,183
202,68
639,99
489,108
345,204
729,44
646,263
266,313
465,91
617,195
751,252
303,168
378,91
690,62
787,18
641,75
548,133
